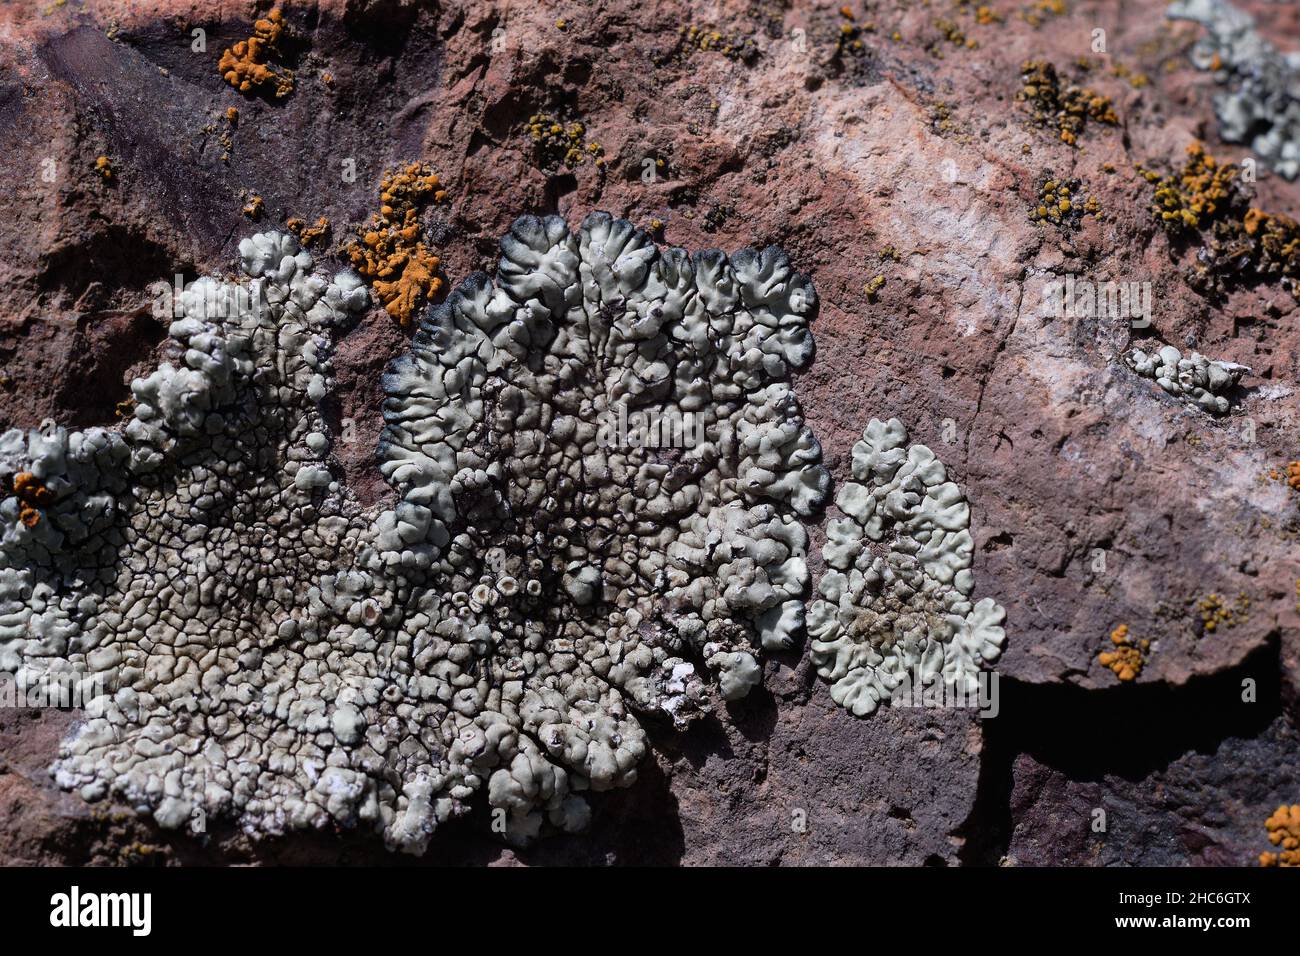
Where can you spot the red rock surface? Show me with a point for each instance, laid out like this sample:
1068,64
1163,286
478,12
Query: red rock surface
917,145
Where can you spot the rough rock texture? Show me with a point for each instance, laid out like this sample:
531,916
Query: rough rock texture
1096,498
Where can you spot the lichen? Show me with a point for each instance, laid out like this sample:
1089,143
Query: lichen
104,168
1202,193
941,120
1204,383
741,49
1066,109
309,236
952,34
1293,475
904,617
246,65
272,652
848,41
1216,613
1261,106
1041,11
390,253
563,144
1127,657
224,133
1208,202
1134,78
1283,829
1058,202
32,496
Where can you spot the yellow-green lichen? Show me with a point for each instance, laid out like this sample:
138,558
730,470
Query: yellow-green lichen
1217,614
1059,202
848,41
565,144
741,49
1210,201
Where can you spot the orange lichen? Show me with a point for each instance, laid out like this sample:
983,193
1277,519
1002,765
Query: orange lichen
104,167
1041,10
1068,109
1283,831
310,235
1211,199
1127,659
1198,195
1278,239
402,271
253,208
32,496
244,66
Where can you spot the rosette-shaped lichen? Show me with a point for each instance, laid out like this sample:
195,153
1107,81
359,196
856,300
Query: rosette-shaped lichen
269,651
895,608
569,576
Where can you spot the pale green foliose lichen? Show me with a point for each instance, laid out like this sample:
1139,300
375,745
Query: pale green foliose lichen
1202,382
1261,105
895,609
272,652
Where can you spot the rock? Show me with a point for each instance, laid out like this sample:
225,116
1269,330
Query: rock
1094,499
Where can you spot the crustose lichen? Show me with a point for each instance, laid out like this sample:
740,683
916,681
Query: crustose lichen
1283,832
1210,202
32,496
1062,107
391,253
245,66
1127,657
